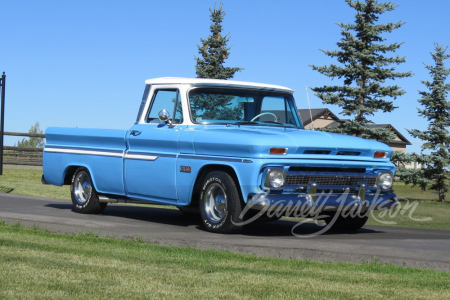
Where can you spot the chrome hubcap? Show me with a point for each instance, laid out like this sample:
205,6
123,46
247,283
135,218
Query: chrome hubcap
215,203
82,187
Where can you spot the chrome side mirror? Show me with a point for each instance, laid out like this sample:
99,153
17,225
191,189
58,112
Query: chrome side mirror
164,117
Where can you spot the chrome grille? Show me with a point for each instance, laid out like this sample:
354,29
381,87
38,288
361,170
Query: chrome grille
337,180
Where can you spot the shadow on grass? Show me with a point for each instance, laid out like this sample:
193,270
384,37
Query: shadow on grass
5,189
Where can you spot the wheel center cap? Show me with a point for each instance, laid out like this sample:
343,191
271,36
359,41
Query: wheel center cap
220,200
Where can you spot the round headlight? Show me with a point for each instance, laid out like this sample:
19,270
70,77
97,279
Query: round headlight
276,178
385,180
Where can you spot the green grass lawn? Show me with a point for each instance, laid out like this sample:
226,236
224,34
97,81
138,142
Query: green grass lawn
28,182
417,209
35,264
414,214
415,193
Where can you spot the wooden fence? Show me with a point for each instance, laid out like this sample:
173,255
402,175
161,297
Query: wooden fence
13,155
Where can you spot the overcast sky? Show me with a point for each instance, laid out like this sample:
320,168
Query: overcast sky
84,63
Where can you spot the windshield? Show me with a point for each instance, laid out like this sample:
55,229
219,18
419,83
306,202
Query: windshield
242,107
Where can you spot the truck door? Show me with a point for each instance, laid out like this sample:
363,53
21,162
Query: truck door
150,160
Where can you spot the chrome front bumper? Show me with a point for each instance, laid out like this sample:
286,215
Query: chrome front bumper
325,201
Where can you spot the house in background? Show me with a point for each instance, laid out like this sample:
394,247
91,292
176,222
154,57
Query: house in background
323,117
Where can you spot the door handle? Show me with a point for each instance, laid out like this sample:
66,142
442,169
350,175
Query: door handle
135,132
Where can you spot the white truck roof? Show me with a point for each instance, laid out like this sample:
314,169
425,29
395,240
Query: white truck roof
216,82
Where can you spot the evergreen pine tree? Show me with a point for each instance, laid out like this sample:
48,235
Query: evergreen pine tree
364,68
214,51
435,164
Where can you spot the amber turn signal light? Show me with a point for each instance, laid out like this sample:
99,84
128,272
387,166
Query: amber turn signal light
281,151
380,154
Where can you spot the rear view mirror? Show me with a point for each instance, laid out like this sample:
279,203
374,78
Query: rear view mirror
164,117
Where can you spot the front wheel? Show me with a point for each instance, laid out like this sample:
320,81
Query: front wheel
220,203
84,196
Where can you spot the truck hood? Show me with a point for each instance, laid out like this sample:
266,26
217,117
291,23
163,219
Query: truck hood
256,141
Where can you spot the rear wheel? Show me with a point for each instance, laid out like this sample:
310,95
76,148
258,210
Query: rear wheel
347,223
220,203
84,196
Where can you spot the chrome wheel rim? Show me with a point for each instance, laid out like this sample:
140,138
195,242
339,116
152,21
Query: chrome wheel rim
82,187
215,201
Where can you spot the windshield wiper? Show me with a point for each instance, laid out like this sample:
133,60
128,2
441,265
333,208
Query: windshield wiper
245,123
264,123
281,124
272,122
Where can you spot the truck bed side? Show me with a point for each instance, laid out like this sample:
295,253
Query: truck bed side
99,150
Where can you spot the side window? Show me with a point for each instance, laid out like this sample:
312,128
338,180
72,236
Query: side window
278,106
169,100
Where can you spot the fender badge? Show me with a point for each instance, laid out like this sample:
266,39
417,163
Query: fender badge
185,169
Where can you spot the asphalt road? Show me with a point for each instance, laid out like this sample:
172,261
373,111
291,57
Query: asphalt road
400,246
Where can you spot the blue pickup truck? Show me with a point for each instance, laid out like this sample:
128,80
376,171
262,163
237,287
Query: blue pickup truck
228,150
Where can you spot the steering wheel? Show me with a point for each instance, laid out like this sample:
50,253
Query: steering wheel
264,113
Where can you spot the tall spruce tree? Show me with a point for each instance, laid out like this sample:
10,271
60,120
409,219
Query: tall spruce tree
436,109
364,67
214,51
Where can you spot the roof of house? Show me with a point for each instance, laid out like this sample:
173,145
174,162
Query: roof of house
402,138
316,113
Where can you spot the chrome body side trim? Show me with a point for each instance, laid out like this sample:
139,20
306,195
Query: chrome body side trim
85,152
140,156
205,157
